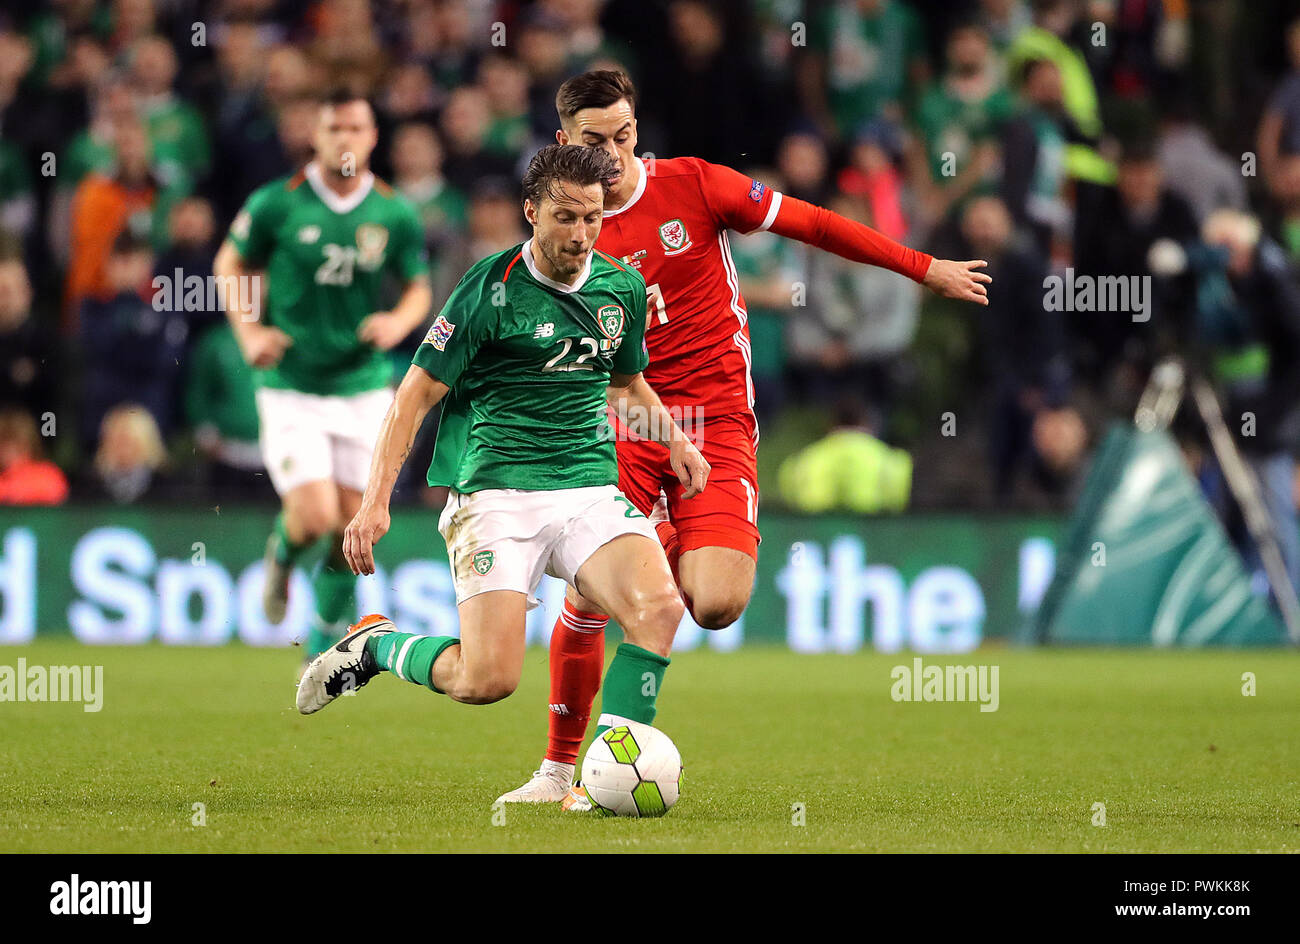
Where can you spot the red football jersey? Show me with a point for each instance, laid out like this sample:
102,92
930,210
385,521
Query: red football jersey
674,231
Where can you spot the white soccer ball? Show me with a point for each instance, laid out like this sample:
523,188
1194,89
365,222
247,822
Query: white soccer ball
633,770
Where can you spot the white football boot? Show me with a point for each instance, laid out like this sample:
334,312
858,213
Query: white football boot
343,667
550,784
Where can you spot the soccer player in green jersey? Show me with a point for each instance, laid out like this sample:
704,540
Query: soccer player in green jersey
323,240
535,341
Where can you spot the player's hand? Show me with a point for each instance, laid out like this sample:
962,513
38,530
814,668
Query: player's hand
363,532
383,329
264,345
692,468
958,280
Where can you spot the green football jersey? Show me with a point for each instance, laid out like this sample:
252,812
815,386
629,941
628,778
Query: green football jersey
529,360
325,257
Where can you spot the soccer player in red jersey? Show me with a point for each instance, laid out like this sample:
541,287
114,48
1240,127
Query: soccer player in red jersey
668,218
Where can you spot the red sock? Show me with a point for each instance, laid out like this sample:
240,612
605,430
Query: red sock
577,660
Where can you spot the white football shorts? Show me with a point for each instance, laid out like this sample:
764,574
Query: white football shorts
507,538
308,437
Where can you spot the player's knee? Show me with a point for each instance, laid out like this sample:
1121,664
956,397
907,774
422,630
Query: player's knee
315,523
655,620
717,612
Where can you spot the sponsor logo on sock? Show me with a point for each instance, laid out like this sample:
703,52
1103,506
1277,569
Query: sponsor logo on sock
559,709
75,897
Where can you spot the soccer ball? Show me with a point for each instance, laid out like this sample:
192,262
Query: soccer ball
632,770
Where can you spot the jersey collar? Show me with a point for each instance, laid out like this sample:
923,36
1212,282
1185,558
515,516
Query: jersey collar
331,199
551,283
636,191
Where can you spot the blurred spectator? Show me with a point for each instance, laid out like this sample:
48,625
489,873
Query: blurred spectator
1033,162
1284,215
960,119
129,460
1048,38
1003,21
176,129
872,173
496,222
106,206
1249,323
17,199
1196,170
1279,126
543,50
802,161
1023,366
1138,215
191,246
220,406
465,123
133,349
715,77
847,470
26,478
866,57
1145,42
505,83
442,209
851,338
28,372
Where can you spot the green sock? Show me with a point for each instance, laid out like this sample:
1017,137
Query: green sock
335,592
409,656
632,684
286,552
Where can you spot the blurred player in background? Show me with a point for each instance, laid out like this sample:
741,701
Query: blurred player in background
324,239
668,218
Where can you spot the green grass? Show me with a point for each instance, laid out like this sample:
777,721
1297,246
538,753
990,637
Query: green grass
1181,759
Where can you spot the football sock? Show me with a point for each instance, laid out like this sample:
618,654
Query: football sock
409,656
286,552
335,590
631,686
577,658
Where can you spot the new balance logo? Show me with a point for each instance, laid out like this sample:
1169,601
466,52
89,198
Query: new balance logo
559,709
545,330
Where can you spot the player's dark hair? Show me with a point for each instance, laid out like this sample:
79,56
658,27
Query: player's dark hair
570,163
598,88
342,95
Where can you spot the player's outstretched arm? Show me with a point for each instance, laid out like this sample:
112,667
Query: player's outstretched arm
419,392
640,409
855,241
241,296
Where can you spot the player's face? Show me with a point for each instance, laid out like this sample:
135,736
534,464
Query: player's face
565,224
344,137
611,129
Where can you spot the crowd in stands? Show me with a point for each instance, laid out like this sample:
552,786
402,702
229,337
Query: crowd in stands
1092,138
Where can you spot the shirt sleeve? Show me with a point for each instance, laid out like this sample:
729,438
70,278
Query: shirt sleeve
411,260
736,201
253,230
459,331
632,357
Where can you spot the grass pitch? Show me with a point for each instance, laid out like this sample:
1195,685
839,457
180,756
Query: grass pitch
1182,760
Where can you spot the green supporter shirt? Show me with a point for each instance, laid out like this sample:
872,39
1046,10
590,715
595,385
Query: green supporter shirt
325,259
529,360
950,125
867,58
